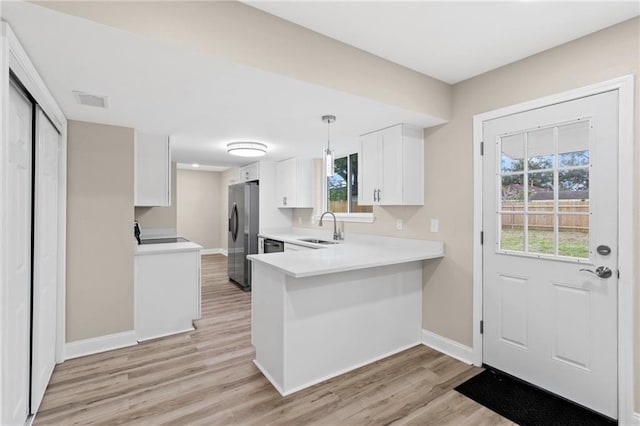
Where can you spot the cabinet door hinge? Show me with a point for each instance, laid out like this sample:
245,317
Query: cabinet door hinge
481,327
481,148
481,237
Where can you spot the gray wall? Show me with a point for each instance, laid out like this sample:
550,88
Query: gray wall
199,207
99,230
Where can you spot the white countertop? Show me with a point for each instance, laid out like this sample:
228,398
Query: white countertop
357,252
164,248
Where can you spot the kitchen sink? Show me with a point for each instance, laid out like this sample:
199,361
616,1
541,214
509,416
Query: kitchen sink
316,241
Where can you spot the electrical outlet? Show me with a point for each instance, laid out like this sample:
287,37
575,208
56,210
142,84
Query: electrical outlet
435,225
399,224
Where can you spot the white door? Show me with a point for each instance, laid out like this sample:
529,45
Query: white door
45,270
18,238
550,219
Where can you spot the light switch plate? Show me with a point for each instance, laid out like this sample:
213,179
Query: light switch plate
399,224
435,225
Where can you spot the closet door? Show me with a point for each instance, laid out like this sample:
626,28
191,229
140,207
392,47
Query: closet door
45,250
17,236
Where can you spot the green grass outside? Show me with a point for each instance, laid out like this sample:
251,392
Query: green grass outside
572,244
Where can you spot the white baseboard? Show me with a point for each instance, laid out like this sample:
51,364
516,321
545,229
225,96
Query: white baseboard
333,374
447,346
214,251
100,344
269,378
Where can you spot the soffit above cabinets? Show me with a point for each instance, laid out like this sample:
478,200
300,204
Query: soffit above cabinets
452,40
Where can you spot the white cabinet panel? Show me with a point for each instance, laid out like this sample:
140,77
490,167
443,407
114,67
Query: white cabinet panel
294,186
370,167
392,167
296,247
391,185
167,293
250,172
152,170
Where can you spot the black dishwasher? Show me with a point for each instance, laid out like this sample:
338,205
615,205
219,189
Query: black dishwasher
273,246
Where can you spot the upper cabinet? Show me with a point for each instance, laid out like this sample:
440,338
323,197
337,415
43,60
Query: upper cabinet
392,167
152,171
294,186
250,172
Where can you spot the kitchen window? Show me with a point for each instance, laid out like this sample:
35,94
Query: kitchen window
342,191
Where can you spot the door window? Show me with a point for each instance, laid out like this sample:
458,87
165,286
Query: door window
543,191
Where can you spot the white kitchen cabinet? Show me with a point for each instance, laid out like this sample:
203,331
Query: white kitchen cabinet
167,289
392,167
152,182
294,186
250,172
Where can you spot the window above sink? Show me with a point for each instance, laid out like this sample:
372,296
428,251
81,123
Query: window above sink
340,191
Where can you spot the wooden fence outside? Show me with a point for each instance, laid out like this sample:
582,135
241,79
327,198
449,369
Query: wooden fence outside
341,206
542,221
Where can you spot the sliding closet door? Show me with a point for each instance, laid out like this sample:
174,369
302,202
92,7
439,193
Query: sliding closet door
18,250
45,251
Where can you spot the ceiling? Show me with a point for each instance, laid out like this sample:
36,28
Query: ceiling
204,103
452,40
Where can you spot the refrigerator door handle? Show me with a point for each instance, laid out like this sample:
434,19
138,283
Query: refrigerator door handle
235,221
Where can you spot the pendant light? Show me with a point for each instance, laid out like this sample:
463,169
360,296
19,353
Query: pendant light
328,153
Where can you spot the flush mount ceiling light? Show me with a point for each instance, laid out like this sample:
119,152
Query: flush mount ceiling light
247,149
328,153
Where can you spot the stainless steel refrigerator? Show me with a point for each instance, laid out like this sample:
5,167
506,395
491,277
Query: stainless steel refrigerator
243,231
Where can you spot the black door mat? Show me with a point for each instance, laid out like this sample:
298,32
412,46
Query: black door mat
525,404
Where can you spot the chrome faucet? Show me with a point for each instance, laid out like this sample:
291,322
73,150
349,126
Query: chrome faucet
336,234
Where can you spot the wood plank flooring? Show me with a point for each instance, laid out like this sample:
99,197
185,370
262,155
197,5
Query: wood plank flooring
207,377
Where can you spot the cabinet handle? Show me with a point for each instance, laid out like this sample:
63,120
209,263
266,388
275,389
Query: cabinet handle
378,195
284,201
374,195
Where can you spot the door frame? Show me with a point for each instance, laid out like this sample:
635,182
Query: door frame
626,197
14,59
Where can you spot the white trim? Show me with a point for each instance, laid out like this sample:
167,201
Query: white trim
447,346
273,382
23,68
171,333
352,217
213,251
335,373
201,167
100,344
62,248
626,196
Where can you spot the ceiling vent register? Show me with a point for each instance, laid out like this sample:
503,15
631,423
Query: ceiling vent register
90,99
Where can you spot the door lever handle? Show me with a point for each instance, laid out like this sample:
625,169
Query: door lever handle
600,272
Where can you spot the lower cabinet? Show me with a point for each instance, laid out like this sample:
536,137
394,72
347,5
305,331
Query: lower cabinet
296,247
167,293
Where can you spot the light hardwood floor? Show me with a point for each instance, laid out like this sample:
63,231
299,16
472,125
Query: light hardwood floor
207,377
